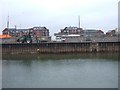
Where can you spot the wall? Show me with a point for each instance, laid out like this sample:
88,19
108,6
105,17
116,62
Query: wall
61,47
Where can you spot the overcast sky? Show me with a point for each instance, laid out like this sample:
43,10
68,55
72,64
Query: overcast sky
57,14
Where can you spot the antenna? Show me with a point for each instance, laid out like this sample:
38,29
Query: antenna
79,21
8,21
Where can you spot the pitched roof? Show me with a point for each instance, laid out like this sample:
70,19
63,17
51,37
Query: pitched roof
5,36
70,28
40,28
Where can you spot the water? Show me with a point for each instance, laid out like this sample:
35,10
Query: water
60,71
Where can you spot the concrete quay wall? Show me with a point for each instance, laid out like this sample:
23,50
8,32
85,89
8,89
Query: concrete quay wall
76,47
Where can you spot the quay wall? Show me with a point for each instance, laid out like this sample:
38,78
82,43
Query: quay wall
61,47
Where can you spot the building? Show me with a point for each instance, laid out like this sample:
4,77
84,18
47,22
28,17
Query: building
111,33
39,31
92,33
67,32
40,34
70,30
15,32
7,39
74,34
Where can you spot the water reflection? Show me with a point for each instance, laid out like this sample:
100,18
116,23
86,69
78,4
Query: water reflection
109,56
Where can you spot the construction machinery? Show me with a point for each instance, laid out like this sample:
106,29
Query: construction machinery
25,39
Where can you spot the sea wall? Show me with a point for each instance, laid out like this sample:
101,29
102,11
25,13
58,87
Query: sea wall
61,47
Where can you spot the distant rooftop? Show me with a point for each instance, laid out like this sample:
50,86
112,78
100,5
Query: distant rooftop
40,28
91,30
5,36
14,29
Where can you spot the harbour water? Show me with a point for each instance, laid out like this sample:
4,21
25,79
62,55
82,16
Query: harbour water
92,70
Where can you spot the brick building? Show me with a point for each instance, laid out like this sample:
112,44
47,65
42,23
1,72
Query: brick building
70,30
40,34
15,32
39,31
76,34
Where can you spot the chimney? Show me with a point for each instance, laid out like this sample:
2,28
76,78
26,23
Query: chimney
8,22
15,27
79,21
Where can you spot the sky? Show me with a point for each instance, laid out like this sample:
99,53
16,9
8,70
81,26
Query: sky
57,14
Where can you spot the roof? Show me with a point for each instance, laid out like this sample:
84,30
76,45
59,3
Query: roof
14,29
111,31
5,36
92,31
40,28
71,35
18,29
70,28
